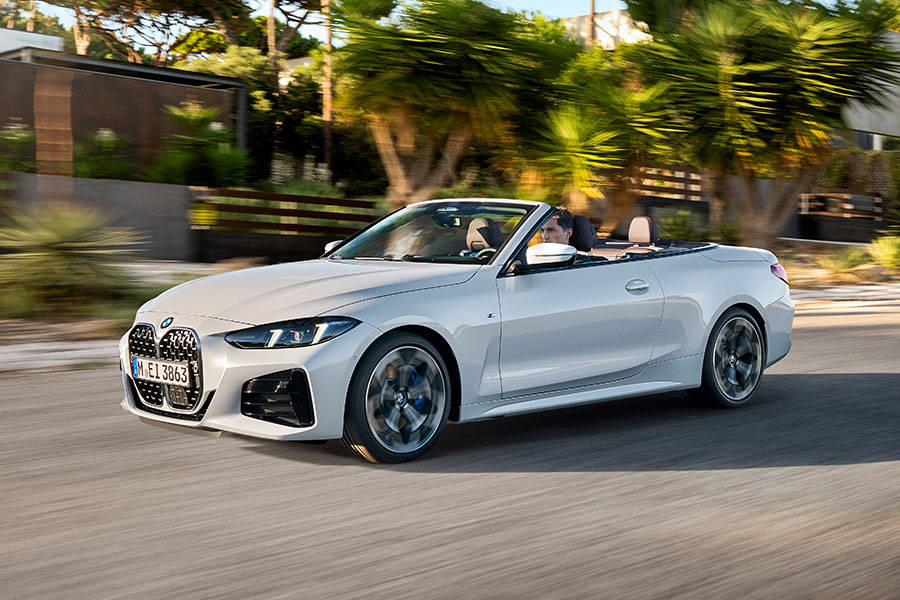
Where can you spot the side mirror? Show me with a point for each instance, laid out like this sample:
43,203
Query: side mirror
549,255
332,245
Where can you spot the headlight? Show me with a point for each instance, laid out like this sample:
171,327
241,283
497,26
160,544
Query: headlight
291,334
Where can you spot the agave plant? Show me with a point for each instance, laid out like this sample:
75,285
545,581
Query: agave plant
64,254
886,251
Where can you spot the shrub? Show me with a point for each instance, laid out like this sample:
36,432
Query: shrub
59,258
681,225
304,187
844,261
105,156
17,148
203,155
886,251
726,233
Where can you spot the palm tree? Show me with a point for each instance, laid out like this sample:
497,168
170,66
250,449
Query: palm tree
574,147
429,83
760,90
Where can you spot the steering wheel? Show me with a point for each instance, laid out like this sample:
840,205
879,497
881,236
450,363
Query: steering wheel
485,253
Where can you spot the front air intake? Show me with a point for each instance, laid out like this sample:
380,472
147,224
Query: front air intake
283,398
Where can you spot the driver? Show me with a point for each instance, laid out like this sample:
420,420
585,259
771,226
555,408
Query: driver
558,229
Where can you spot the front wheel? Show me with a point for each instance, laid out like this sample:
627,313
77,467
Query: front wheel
398,401
734,361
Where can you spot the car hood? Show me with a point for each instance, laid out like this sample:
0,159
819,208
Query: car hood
301,289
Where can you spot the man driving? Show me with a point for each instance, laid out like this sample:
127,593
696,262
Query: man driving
558,229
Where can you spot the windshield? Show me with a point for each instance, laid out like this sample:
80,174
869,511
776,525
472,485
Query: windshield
451,232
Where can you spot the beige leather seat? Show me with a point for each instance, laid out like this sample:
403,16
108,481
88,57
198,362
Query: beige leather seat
641,231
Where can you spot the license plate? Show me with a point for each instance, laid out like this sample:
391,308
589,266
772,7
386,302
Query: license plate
160,371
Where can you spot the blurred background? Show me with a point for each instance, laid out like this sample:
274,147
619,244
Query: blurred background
158,137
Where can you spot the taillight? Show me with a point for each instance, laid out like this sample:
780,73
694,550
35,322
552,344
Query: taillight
779,272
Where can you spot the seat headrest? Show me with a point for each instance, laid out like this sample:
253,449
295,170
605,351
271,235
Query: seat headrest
642,231
583,235
483,233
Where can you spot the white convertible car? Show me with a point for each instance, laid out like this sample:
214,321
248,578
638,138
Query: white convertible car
453,310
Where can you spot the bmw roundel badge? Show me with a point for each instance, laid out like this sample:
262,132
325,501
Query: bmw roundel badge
166,322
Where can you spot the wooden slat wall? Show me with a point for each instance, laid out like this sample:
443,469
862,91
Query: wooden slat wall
687,183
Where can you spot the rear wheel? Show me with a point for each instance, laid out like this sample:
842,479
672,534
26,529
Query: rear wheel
734,361
398,401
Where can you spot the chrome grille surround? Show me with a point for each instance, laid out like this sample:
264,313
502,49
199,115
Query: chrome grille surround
181,344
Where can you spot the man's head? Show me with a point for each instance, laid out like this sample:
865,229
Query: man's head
559,228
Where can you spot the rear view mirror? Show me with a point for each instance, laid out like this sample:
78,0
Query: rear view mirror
332,245
549,255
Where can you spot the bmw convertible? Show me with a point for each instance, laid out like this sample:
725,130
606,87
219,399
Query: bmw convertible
454,311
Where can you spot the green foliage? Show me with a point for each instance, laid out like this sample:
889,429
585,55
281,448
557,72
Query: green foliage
451,63
845,261
247,64
251,66
762,87
837,171
574,146
681,225
305,187
204,154
727,233
61,257
886,251
105,156
17,148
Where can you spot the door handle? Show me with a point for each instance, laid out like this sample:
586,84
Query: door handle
637,286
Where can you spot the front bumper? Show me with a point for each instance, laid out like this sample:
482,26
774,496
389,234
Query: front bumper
328,366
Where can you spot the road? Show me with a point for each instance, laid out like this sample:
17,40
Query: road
795,496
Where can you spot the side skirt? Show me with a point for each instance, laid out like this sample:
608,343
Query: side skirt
669,376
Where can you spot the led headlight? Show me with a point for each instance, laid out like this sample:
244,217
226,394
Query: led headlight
291,334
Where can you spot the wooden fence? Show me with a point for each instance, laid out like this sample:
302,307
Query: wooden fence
279,227
249,210
841,203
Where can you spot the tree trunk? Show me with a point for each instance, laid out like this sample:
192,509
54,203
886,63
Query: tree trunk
327,93
81,33
32,13
761,220
620,206
412,173
711,183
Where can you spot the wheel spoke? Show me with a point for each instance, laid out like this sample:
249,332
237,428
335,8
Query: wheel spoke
730,375
413,417
743,347
744,368
391,415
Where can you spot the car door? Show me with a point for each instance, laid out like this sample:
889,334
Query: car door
576,326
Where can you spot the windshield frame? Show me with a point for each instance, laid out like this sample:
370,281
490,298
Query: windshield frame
529,206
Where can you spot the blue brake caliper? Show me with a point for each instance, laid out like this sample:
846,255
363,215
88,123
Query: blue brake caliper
414,379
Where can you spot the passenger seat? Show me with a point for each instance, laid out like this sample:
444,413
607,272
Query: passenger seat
641,231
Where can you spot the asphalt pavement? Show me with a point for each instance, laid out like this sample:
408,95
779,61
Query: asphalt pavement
792,497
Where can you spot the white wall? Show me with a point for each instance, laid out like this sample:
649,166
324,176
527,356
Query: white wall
612,28
884,121
11,39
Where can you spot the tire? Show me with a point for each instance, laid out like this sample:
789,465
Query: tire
733,362
398,401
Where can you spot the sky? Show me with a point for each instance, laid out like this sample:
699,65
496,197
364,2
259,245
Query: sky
562,9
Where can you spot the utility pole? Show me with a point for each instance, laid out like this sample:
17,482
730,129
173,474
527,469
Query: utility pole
327,92
592,27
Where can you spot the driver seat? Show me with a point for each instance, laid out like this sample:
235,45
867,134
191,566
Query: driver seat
483,233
